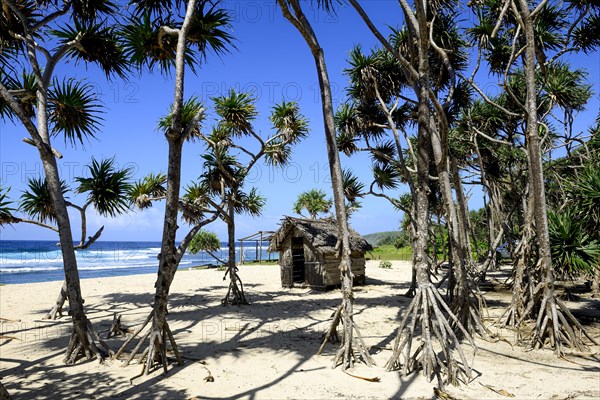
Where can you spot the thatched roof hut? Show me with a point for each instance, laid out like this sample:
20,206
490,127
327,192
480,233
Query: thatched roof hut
308,256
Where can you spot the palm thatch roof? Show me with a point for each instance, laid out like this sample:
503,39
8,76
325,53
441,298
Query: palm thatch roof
322,234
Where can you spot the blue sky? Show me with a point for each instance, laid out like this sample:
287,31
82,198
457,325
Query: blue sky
273,62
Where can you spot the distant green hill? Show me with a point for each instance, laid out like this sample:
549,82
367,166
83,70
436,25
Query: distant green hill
379,238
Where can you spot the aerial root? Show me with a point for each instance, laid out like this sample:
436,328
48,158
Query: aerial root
235,293
425,312
83,344
352,344
556,326
155,353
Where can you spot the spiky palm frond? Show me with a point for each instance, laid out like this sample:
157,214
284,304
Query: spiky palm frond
584,192
314,201
204,241
237,112
208,30
447,35
353,188
96,44
194,203
288,122
74,110
192,107
277,154
107,187
290,127
363,74
461,100
145,190
403,203
155,6
548,25
566,87
6,209
92,10
141,45
221,170
587,35
481,31
347,143
499,54
11,24
386,176
347,120
251,203
196,193
26,87
36,201
383,152
573,250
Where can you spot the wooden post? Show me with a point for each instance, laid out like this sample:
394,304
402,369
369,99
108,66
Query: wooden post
261,242
241,252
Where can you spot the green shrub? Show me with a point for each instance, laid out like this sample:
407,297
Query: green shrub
385,264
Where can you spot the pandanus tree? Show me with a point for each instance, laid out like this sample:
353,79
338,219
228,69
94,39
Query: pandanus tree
218,193
429,52
524,42
292,10
167,35
314,201
106,189
36,37
233,149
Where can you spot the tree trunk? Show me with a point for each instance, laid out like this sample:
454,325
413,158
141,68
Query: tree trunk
235,292
555,323
427,305
83,336
159,333
56,311
346,353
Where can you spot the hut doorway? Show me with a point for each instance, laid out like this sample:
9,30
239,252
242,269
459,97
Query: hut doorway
298,273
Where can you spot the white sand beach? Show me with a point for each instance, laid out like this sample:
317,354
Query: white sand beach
265,350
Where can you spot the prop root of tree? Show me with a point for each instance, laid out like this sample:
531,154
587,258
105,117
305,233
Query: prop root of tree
468,312
556,326
349,348
116,328
56,311
426,317
235,292
83,343
156,352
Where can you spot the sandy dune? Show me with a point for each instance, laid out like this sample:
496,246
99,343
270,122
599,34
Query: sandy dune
265,350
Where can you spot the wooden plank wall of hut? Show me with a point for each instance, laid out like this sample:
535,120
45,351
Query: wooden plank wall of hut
331,269
314,271
285,262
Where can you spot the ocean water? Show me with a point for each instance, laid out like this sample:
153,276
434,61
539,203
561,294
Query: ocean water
25,261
